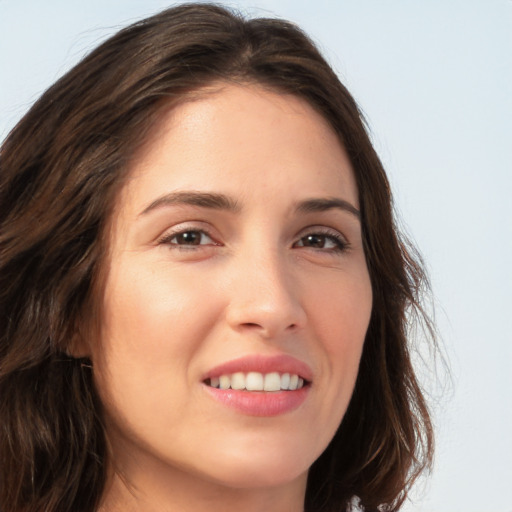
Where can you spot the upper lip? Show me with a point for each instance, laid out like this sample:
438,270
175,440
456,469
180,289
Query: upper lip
263,364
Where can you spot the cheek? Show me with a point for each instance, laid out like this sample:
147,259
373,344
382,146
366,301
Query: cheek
152,313
341,312
149,337
341,317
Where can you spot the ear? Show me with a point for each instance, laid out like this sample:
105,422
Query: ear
79,344
84,331
78,347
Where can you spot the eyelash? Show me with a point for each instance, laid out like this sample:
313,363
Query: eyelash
340,243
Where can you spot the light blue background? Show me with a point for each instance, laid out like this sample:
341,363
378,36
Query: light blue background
435,81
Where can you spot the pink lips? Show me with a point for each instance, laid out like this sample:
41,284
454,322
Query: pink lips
261,403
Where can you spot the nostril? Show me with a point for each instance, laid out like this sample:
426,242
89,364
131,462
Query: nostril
257,326
251,324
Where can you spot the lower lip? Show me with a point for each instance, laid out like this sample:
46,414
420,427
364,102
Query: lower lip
260,403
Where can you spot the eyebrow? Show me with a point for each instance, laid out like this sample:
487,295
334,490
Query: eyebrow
223,202
201,199
324,204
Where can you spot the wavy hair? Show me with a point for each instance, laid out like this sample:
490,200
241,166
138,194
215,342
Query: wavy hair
61,169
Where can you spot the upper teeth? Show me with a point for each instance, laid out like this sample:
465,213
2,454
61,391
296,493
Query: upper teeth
255,381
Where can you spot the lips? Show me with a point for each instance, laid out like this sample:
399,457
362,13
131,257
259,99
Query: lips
260,385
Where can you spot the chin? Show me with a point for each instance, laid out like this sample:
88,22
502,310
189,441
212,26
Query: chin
272,468
260,477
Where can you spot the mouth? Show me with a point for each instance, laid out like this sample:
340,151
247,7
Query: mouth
260,385
256,381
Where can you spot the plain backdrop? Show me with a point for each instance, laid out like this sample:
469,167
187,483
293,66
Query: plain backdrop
434,78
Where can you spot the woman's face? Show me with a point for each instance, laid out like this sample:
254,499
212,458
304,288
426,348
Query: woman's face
235,260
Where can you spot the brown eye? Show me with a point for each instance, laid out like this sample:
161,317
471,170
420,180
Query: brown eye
316,241
189,238
329,242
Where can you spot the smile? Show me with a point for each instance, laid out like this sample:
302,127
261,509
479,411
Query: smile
260,385
256,381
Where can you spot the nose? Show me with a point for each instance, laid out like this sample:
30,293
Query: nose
264,297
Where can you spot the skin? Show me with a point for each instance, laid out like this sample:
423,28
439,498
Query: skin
263,278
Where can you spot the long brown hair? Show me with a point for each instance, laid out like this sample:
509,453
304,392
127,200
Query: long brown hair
60,170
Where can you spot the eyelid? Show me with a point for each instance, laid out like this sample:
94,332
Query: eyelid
321,229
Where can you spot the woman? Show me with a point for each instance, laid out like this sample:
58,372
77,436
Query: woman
204,298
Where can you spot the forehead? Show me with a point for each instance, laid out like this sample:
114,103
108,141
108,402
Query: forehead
234,137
